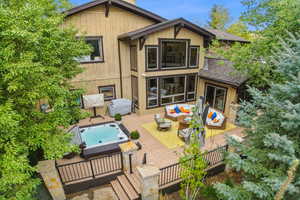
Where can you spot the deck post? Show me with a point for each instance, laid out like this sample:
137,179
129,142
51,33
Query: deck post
149,176
51,179
129,151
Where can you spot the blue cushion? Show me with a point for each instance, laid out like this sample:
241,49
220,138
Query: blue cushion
177,110
214,116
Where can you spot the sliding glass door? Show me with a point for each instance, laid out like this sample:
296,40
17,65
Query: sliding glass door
170,90
215,96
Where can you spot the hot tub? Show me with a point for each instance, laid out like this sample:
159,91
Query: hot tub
101,138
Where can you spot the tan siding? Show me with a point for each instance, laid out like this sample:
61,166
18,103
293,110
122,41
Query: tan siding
231,92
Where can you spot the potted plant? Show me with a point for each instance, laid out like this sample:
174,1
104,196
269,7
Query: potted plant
118,118
134,135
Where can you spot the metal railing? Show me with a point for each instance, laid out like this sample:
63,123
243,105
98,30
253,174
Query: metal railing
90,169
172,173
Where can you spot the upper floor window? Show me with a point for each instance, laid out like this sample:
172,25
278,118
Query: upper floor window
133,58
174,53
194,56
151,58
109,92
97,50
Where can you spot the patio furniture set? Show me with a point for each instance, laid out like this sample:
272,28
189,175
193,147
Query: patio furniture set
183,114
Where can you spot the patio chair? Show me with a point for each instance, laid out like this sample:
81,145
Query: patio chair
185,134
162,124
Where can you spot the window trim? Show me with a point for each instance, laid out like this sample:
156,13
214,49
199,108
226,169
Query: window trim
135,70
159,95
114,91
146,57
217,87
99,38
188,41
198,56
136,105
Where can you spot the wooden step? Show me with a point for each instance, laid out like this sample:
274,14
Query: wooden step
134,181
130,191
119,190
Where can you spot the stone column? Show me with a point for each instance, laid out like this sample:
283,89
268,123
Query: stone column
51,179
129,150
149,176
232,149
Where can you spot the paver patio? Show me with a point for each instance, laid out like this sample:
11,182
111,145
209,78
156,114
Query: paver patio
157,154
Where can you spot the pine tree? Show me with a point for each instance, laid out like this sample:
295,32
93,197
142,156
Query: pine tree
272,120
219,17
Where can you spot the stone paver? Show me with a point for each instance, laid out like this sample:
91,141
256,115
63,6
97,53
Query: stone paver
105,193
81,197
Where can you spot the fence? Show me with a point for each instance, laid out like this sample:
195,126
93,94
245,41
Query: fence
90,169
172,174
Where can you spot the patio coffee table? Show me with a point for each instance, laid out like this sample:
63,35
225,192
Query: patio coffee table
184,122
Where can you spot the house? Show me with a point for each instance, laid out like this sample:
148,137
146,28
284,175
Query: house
141,56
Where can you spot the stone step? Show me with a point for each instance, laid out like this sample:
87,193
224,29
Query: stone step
134,181
119,190
130,191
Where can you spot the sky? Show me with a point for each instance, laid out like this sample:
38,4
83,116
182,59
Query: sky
197,11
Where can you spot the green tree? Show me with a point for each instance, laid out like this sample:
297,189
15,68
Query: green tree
272,19
219,17
37,61
192,162
239,28
272,148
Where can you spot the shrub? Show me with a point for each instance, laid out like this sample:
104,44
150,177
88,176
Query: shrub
209,193
118,117
134,135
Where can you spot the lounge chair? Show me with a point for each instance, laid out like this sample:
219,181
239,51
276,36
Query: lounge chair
162,124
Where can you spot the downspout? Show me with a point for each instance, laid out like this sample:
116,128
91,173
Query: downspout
120,68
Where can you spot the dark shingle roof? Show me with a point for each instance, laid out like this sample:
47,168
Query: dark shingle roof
163,25
224,36
119,3
221,70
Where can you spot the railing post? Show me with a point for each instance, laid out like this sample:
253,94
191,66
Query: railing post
129,150
91,164
149,176
51,178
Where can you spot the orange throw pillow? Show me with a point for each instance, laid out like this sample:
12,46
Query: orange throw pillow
210,115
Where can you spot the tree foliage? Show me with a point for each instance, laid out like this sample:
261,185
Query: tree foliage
272,120
272,19
239,28
219,17
37,61
192,162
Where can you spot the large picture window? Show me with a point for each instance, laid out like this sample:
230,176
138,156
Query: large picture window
151,58
97,50
109,92
215,96
194,56
174,54
171,89
135,90
133,58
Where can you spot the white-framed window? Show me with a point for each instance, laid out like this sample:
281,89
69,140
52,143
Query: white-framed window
152,92
133,58
135,90
109,92
174,53
96,42
151,58
194,56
